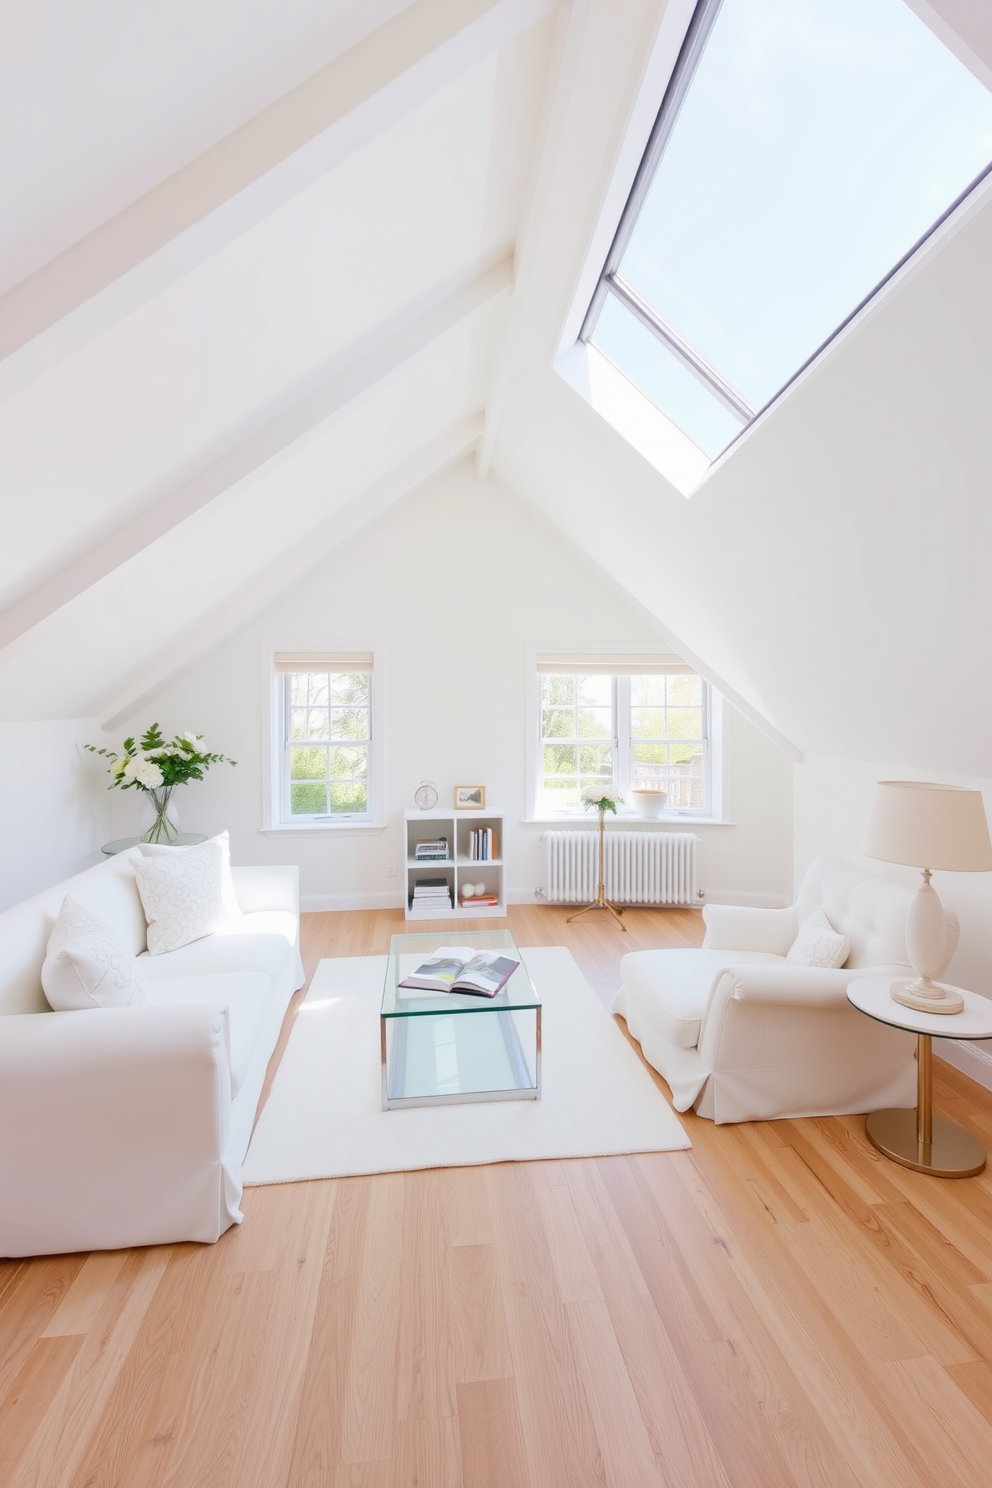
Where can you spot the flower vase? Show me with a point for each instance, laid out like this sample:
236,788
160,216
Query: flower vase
159,817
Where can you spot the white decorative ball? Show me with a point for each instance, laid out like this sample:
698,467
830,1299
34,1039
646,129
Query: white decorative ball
468,891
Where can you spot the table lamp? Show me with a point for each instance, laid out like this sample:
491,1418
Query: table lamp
929,827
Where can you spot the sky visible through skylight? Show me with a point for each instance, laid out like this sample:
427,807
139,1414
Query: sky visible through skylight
818,141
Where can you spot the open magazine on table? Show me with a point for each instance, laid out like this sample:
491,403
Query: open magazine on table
462,969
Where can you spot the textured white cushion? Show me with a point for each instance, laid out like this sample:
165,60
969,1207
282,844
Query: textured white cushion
232,908
818,943
182,892
87,966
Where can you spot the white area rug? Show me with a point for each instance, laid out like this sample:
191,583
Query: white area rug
323,1117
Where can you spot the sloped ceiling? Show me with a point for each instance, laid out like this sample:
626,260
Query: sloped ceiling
267,266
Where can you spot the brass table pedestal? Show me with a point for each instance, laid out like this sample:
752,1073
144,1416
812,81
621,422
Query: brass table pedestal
919,1139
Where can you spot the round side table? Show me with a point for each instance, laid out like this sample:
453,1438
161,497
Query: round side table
184,839
919,1139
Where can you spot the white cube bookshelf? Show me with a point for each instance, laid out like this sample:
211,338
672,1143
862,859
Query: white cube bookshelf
458,868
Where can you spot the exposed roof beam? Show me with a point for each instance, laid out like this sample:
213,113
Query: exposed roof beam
266,588
178,224
272,432
570,33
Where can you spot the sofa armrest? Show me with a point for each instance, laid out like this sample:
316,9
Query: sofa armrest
801,986
733,927
791,986
116,1123
268,887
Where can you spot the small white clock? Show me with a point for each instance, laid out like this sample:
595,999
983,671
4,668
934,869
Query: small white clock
425,795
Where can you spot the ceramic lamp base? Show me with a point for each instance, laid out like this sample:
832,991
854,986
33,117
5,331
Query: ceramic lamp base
924,996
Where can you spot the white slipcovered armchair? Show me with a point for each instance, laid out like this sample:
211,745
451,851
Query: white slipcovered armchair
742,1036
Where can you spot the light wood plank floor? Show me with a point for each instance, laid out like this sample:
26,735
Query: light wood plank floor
778,1306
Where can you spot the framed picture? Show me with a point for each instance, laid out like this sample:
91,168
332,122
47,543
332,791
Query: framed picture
470,797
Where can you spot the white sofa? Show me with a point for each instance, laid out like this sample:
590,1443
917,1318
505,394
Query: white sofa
128,1125
741,1036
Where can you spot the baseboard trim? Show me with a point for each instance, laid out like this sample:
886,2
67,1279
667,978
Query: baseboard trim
321,903
971,1059
746,900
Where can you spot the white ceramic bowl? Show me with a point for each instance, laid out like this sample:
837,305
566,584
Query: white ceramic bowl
650,803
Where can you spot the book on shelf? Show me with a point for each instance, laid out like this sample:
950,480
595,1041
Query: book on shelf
480,901
461,969
482,845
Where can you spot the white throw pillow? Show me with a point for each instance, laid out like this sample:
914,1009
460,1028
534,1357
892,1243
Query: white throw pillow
87,966
231,906
818,943
186,892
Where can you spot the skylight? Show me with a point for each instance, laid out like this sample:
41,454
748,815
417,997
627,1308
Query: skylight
803,150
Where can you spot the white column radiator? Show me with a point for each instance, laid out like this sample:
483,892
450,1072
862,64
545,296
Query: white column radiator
641,867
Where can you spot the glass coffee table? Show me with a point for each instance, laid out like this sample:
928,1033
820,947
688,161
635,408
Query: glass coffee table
447,1048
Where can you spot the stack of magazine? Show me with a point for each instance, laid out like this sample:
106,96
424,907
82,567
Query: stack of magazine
432,852
460,969
431,893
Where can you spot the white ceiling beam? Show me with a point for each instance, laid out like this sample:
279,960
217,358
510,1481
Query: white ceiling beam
569,31
569,80
209,202
272,433
267,587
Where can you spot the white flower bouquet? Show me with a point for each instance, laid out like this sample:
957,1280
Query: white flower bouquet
156,765
603,797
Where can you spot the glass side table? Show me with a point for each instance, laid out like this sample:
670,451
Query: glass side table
184,839
448,1048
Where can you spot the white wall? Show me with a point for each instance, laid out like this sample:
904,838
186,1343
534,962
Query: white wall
54,810
448,588
832,797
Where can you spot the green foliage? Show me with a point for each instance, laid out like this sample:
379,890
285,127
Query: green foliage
308,800
157,763
348,796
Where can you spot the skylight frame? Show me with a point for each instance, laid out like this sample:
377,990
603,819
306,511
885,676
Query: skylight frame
610,282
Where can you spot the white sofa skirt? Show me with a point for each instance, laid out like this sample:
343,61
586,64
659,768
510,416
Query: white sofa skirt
762,1076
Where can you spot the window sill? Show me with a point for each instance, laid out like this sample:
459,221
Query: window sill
634,417
591,820
321,829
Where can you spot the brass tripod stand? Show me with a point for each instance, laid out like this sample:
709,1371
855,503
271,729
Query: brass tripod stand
601,901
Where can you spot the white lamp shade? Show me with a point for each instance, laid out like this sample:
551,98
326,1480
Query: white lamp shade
929,826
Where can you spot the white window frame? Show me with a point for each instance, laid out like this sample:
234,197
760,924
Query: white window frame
276,815
716,760
603,386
